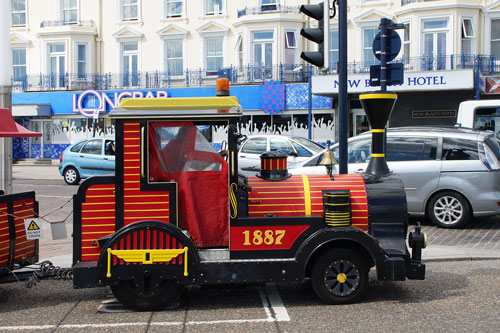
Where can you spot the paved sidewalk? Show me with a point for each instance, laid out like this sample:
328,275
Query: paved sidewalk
36,171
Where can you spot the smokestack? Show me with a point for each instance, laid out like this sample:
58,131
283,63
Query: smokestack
378,107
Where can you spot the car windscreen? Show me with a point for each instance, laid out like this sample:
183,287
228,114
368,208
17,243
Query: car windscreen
312,146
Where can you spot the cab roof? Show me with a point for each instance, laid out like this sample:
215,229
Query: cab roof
176,108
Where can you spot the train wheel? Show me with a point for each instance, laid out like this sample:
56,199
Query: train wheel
339,277
146,299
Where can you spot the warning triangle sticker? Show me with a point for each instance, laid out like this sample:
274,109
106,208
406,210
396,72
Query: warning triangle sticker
33,226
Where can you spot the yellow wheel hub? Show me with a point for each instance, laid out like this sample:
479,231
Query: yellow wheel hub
342,278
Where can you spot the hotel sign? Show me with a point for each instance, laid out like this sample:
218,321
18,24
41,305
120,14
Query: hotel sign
413,81
434,114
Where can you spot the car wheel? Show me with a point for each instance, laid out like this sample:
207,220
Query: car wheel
339,277
449,210
71,176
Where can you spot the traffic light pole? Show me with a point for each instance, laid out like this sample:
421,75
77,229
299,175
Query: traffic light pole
342,106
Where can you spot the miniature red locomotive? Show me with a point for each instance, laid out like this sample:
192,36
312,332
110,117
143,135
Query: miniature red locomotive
177,213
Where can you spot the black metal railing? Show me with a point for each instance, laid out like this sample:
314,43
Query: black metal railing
247,74
265,9
58,23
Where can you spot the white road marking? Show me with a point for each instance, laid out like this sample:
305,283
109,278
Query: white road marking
270,297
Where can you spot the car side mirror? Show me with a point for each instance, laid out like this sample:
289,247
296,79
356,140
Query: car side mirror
294,154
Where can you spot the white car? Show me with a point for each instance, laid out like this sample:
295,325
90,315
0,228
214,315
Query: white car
297,148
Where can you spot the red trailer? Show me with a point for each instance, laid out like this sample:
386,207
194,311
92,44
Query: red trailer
16,250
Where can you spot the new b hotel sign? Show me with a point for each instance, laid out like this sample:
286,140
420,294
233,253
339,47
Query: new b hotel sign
328,85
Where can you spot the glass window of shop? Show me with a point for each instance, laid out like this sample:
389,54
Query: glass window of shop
69,130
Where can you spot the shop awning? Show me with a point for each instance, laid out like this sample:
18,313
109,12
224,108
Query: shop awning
31,110
9,128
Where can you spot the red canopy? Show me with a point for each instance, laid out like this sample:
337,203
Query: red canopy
9,128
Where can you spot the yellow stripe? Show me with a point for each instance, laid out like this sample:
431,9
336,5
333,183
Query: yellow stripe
378,130
146,217
378,155
278,211
378,96
99,225
99,210
261,205
307,194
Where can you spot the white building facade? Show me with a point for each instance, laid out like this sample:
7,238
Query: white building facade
114,45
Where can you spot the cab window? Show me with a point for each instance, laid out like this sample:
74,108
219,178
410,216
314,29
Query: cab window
358,151
255,146
283,145
76,148
93,147
411,149
301,150
459,149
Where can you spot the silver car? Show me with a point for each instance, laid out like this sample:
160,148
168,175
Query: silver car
449,174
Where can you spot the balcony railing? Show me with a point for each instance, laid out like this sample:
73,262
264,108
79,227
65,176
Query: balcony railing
59,23
264,9
408,2
249,74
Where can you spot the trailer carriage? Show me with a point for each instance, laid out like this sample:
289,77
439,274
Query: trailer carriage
177,213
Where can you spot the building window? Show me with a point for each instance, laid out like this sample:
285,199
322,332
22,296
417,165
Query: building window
18,12
173,8
82,60
263,48
334,49
290,47
406,42
130,10
214,55
130,64
57,64
19,64
269,4
69,9
239,50
213,7
368,37
434,37
173,56
467,36
495,37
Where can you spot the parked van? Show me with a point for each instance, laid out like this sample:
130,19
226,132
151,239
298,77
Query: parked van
480,114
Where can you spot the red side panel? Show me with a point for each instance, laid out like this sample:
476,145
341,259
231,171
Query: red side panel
302,196
23,209
137,205
352,182
98,218
4,236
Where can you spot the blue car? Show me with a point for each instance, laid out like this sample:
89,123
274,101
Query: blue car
86,158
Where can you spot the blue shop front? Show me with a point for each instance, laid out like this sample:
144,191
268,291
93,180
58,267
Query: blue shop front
65,117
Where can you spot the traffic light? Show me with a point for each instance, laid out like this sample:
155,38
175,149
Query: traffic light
319,35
